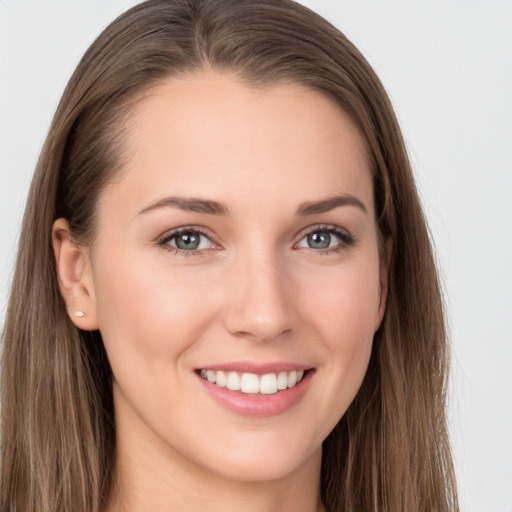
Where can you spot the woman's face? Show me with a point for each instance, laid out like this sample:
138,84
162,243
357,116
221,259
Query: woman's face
239,244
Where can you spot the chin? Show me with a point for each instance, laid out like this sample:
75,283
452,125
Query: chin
265,463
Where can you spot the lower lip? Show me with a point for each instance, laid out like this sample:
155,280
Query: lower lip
257,405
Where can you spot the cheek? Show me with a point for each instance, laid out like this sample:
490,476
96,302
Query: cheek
149,312
344,303
149,319
341,314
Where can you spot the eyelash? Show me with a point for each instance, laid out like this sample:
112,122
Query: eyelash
165,239
347,240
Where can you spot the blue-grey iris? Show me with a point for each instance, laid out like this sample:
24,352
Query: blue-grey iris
188,241
319,240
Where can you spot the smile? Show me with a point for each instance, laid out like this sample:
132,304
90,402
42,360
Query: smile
250,383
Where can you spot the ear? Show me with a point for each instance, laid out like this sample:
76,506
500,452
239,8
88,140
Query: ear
75,277
385,263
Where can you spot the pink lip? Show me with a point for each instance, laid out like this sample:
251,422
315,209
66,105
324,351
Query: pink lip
257,405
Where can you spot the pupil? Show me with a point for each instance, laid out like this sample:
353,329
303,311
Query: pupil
187,241
319,240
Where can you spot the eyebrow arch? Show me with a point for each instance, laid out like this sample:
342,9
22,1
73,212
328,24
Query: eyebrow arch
325,205
208,206
190,204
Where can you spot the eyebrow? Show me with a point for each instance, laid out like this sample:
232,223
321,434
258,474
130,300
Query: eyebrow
326,205
189,204
210,207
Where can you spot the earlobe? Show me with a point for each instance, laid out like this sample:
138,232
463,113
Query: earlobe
74,277
384,281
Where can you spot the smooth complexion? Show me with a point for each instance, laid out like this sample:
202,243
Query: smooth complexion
240,236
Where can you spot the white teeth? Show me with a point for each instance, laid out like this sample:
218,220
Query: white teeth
282,381
249,383
292,379
267,384
233,381
221,380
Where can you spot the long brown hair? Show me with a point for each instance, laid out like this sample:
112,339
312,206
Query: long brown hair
390,451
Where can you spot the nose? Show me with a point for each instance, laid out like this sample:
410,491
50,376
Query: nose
259,305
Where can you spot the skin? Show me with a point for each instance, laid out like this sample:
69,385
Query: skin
255,290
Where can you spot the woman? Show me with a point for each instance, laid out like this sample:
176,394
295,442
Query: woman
225,294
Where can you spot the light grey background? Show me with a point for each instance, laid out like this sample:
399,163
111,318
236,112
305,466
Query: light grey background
448,68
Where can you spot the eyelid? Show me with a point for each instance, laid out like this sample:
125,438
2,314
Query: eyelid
322,227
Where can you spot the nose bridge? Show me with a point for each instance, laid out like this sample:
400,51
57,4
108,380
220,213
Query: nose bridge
259,306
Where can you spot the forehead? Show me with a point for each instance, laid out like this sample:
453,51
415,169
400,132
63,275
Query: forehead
209,134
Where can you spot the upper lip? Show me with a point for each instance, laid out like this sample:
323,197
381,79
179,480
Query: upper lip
256,368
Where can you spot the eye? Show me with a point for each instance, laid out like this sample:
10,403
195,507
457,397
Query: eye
326,239
187,240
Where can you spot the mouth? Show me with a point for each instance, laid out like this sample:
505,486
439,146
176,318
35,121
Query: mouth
257,390
252,383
